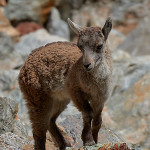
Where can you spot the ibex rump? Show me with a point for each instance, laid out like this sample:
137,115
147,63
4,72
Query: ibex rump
58,72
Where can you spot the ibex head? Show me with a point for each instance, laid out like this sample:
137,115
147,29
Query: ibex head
91,42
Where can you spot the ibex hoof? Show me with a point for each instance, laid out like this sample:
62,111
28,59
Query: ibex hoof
89,143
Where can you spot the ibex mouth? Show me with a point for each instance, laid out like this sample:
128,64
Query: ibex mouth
89,69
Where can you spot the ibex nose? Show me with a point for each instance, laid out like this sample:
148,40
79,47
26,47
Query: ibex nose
87,65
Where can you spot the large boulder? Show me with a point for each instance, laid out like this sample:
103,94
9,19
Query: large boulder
9,121
127,113
34,40
129,11
5,25
6,45
137,42
57,26
23,10
8,57
9,88
128,71
13,134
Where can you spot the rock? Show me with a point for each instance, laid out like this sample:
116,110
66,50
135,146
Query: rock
28,10
11,61
11,141
2,2
70,122
137,42
129,11
8,57
8,81
27,27
66,7
115,38
110,146
34,40
127,113
6,27
8,111
57,26
13,135
9,88
6,45
99,11
72,125
119,56
9,119
128,71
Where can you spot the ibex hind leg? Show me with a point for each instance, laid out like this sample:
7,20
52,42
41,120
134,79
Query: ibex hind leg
83,105
38,114
58,107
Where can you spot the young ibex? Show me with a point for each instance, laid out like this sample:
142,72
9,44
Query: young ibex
60,71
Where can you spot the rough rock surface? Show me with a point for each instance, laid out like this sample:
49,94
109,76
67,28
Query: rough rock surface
127,113
137,42
11,141
2,2
57,26
28,10
8,111
129,11
6,45
5,25
128,71
13,134
27,27
34,40
9,121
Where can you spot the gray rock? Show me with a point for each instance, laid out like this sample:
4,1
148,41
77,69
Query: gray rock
114,146
6,45
8,111
137,42
9,121
73,125
11,141
127,113
20,10
57,26
9,88
11,61
8,57
66,7
119,56
34,40
120,9
128,71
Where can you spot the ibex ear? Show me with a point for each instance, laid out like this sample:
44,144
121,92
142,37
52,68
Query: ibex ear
76,28
107,28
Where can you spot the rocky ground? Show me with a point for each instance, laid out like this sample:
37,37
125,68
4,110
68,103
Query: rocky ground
126,116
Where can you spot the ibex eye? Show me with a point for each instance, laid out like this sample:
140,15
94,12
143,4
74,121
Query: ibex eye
99,46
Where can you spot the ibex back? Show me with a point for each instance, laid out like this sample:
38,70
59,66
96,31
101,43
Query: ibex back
60,71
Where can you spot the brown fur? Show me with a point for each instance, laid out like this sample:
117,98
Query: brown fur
56,73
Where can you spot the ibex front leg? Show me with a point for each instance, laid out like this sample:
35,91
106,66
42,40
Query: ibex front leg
87,115
97,120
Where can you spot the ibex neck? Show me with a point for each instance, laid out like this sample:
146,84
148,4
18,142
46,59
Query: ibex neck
102,70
